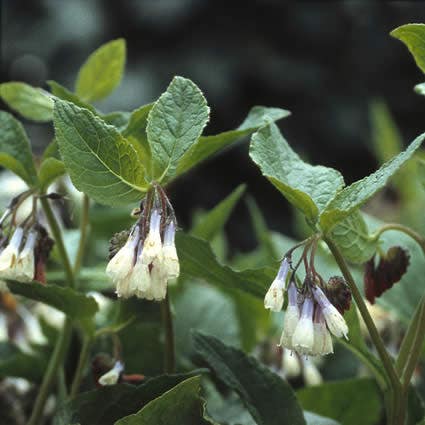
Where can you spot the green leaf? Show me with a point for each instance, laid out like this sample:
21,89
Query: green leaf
118,119
16,363
420,89
15,149
51,151
70,302
209,145
174,124
50,170
353,238
213,313
178,406
106,405
63,93
262,232
313,419
102,71
101,162
413,36
31,102
213,222
351,402
269,399
354,196
421,172
198,261
307,187
135,133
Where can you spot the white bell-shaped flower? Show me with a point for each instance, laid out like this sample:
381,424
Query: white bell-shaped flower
334,319
274,296
322,337
152,247
292,317
112,377
121,265
171,263
303,338
158,281
25,265
140,279
9,255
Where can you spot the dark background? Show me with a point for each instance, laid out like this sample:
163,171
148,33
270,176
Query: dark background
324,61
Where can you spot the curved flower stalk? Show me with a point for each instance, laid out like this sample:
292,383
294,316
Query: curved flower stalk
148,261
311,315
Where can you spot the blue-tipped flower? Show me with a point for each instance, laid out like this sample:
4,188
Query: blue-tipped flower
334,319
274,296
303,338
112,377
292,316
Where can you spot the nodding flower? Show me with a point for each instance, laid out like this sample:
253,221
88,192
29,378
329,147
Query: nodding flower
171,261
112,377
334,319
148,260
303,337
292,316
322,338
25,265
120,266
9,256
17,262
274,296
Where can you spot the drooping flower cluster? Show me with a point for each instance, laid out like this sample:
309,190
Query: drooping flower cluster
24,248
310,317
148,260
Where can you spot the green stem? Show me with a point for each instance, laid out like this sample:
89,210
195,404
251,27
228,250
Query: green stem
64,336
408,339
415,349
169,356
57,235
374,334
407,230
50,375
82,361
84,226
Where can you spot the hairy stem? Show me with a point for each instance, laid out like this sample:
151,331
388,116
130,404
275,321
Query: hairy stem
82,362
374,334
169,355
63,340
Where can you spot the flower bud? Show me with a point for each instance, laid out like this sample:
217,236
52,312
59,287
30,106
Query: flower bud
303,338
334,320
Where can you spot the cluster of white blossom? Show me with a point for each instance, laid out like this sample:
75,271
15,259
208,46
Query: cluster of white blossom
144,265
310,317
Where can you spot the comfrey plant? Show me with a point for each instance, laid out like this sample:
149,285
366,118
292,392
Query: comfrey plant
128,324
